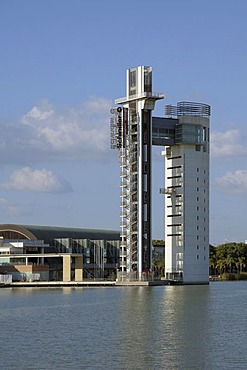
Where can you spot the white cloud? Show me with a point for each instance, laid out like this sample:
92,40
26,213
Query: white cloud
39,113
227,144
57,133
9,208
26,179
70,132
233,182
97,105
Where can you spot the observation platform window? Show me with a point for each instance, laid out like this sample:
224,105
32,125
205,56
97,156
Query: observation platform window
163,133
148,80
132,82
188,133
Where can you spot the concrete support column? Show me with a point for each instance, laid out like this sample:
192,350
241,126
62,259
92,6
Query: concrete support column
66,268
42,260
79,268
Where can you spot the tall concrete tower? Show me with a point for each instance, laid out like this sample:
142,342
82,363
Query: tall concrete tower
131,134
184,133
187,194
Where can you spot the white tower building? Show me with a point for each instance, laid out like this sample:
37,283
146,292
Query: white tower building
187,195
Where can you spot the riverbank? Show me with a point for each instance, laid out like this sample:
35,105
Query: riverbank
227,276
60,284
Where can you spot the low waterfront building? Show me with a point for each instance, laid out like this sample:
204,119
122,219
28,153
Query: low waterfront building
24,259
42,253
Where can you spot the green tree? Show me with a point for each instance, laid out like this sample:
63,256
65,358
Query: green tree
228,257
212,260
230,262
240,263
220,265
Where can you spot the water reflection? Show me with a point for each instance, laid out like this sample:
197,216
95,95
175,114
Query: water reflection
185,320
167,327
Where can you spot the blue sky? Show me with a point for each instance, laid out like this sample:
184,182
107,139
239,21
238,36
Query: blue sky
63,64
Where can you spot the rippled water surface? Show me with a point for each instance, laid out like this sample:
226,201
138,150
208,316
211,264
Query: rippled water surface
172,327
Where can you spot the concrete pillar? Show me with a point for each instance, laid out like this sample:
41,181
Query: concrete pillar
79,268
42,260
66,268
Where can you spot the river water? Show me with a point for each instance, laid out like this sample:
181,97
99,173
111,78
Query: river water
171,327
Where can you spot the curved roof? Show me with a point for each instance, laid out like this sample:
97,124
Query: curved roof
48,233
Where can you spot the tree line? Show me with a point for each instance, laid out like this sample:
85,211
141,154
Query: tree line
228,258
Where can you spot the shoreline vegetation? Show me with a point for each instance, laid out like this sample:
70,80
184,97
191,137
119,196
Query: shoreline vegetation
229,277
228,262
